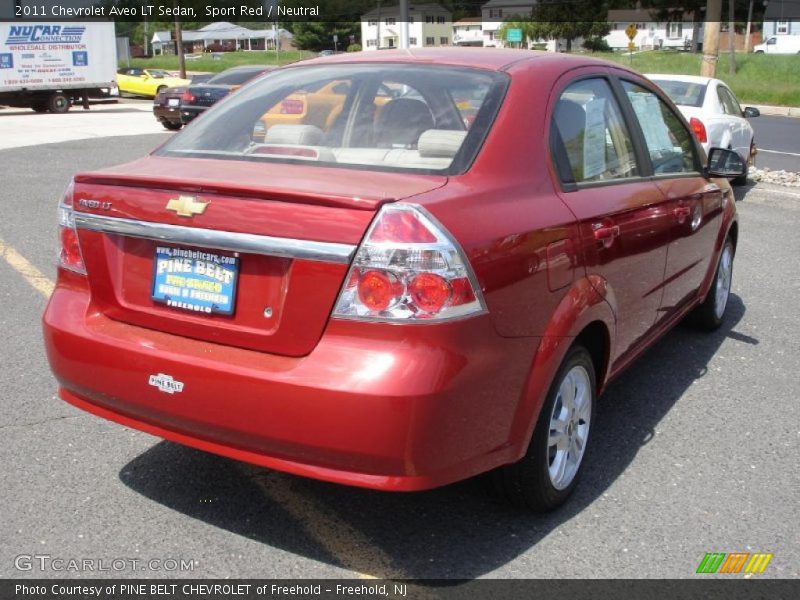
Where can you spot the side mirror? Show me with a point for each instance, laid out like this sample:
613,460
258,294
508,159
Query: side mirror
750,111
725,163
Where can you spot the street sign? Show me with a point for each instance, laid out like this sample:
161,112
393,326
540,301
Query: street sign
513,35
631,31
631,46
335,38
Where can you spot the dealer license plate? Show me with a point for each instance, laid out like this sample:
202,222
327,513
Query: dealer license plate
195,280
173,101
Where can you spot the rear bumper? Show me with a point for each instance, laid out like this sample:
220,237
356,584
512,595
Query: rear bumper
167,113
189,113
378,406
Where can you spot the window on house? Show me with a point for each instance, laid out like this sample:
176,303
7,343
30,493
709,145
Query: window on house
429,18
440,19
443,41
675,31
412,41
782,27
371,43
429,41
372,22
390,21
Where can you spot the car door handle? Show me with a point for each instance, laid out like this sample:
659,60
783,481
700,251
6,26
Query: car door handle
606,233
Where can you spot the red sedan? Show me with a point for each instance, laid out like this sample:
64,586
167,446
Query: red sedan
394,269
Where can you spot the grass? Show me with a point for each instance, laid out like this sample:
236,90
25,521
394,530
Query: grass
206,62
759,79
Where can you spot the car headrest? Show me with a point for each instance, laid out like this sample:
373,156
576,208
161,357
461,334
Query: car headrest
301,135
440,143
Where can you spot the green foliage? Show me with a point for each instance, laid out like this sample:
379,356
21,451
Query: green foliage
354,48
581,18
207,64
596,44
318,35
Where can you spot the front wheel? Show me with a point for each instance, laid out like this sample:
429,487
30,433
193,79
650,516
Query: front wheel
547,475
58,102
710,314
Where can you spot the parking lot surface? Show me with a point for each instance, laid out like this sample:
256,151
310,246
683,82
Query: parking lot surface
695,447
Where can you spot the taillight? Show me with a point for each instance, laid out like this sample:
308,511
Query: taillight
408,268
187,97
69,252
698,129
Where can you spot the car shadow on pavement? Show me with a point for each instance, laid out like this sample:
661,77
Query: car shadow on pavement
459,531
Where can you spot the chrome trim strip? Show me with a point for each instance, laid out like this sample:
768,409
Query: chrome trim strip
222,240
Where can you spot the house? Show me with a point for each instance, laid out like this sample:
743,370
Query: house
652,33
468,32
428,25
222,37
494,12
782,17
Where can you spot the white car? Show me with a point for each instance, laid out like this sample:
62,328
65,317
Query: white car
713,112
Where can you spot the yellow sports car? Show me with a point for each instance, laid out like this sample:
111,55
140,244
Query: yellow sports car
146,82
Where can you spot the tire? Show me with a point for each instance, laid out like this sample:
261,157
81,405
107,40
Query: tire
58,102
172,125
742,179
711,313
548,473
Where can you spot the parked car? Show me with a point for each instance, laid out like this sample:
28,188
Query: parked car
167,107
146,82
714,114
335,303
779,44
198,98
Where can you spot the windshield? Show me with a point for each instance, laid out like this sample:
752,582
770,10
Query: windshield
384,116
157,73
683,93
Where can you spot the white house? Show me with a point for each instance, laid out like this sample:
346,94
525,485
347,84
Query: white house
651,33
782,17
428,25
221,36
468,32
494,12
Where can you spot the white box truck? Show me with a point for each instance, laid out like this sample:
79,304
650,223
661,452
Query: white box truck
47,66
779,44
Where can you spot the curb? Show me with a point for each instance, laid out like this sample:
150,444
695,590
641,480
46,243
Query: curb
777,111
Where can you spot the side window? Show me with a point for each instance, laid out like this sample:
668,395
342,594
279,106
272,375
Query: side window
668,142
729,103
589,124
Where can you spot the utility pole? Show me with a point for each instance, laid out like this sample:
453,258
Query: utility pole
731,39
179,43
749,24
708,68
404,24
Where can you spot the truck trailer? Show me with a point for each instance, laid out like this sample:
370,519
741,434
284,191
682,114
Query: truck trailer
47,66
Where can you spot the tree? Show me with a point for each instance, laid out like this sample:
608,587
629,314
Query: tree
568,20
318,35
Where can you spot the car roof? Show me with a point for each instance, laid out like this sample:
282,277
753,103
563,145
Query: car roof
496,59
686,78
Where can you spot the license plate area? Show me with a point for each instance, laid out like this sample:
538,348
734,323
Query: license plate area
173,101
194,280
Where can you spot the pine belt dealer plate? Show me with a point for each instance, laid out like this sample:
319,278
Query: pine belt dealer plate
195,280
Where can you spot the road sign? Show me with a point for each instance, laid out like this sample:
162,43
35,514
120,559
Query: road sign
631,46
513,35
631,31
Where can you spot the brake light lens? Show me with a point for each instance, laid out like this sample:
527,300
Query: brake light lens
409,269
698,129
187,97
69,252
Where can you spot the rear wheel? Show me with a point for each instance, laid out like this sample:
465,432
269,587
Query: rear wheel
548,473
710,314
172,125
742,179
58,102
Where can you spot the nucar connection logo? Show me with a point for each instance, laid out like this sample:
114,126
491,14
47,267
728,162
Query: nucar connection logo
734,562
44,34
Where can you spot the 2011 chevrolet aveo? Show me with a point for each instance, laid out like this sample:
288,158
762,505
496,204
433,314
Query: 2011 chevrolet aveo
394,270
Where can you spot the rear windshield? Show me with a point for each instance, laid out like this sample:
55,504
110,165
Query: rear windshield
237,77
684,93
386,117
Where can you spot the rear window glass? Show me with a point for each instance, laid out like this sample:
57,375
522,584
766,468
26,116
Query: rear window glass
386,117
683,93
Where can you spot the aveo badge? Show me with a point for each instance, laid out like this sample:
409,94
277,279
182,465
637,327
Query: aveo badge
165,383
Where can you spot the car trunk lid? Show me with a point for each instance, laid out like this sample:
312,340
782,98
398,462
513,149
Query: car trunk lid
285,235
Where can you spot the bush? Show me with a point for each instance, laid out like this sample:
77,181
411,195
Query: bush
354,48
597,44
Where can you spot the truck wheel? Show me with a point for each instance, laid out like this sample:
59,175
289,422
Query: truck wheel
58,102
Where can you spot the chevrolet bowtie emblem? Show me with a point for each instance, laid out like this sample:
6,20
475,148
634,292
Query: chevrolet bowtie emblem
187,206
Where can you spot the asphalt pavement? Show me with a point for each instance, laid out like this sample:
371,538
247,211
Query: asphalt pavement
695,450
778,142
